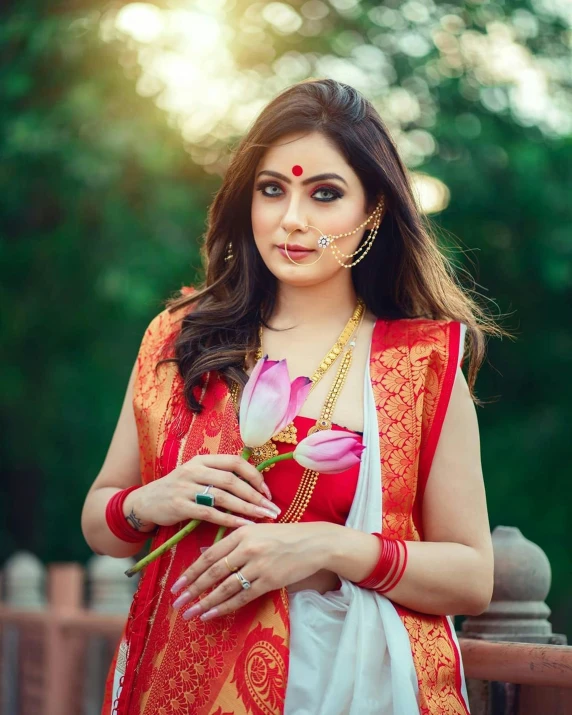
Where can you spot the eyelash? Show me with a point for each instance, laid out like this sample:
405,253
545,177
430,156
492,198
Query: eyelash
337,194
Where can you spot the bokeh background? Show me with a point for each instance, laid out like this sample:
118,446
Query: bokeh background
116,125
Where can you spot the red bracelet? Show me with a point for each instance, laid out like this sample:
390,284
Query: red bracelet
390,566
117,522
400,564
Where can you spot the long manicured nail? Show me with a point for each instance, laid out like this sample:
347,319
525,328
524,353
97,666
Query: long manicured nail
193,610
265,512
183,598
178,585
243,522
209,614
266,490
272,507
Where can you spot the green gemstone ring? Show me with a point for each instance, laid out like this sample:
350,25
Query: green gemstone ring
205,499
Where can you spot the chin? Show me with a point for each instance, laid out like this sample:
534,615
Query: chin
297,276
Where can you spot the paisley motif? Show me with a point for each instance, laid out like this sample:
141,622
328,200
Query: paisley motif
260,672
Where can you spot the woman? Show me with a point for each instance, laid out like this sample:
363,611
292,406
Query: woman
316,253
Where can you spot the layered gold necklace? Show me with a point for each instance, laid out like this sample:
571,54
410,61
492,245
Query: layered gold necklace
289,433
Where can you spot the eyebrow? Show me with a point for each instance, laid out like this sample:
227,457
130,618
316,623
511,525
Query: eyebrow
318,177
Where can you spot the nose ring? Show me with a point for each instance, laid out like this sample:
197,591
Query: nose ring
321,245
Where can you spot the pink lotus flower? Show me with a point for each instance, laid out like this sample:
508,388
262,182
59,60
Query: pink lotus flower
270,401
329,451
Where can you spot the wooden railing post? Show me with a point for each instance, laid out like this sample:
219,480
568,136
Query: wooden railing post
62,654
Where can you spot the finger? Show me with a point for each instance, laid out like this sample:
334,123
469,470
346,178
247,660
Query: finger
242,468
220,606
216,516
211,556
229,482
225,500
228,585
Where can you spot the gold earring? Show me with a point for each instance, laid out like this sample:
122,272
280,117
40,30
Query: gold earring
229,255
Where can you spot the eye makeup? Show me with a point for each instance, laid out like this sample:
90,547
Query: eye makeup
336,193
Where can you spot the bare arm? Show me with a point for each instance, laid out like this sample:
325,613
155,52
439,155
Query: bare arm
119,471
452,571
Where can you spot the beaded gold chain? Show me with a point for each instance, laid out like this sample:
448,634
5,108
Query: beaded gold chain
331,356
309,478
289,433
326,240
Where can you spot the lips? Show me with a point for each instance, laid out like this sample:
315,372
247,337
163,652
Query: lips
295,247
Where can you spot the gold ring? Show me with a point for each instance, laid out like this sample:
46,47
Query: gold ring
229,567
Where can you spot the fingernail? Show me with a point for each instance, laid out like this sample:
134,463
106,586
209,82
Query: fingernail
243,522
193,610
265,512
209,614
178,585
266,490
271,506
183,598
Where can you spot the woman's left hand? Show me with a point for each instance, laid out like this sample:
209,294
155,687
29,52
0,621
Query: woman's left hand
269,556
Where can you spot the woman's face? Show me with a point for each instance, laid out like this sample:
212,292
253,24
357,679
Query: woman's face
287,196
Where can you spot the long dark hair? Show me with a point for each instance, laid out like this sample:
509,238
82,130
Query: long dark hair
405,275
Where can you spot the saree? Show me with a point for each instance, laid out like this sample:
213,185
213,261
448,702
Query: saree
358,650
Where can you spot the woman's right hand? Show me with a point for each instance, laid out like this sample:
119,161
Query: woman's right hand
237,486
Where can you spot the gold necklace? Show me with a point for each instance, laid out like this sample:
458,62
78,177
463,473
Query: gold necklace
289,433
309,479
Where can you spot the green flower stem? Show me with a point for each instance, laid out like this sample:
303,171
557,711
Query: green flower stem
280,458
192,525
273,460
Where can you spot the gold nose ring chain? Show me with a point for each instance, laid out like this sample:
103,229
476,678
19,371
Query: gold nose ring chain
326,240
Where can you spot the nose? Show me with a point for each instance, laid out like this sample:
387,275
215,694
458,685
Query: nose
293,219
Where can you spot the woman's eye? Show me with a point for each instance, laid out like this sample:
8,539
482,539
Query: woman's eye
334,193
264,187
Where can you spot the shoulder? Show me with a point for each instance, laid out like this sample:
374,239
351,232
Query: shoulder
420,335
161,332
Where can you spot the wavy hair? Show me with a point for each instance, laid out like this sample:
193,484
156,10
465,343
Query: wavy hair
405,275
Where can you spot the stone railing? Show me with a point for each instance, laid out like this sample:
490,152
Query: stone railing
59,627
514,663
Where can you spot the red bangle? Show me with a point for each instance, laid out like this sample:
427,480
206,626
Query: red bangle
383,564
117,522
390,584
390,566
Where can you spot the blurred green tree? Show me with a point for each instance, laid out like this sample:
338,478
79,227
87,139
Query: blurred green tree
102,210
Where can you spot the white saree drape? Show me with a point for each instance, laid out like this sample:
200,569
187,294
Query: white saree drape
350,653
349,650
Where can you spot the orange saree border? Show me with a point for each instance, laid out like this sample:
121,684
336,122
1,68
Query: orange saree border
412,381
239,664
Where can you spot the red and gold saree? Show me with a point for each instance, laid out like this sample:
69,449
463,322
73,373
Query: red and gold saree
240,663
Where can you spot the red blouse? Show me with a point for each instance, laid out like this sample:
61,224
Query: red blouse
333,494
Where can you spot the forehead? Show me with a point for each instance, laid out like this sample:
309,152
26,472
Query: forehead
313,152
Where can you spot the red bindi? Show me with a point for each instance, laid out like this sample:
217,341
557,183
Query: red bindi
297,170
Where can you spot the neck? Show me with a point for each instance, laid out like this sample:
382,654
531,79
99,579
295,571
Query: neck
305,306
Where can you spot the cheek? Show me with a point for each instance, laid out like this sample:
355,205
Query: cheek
263,223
